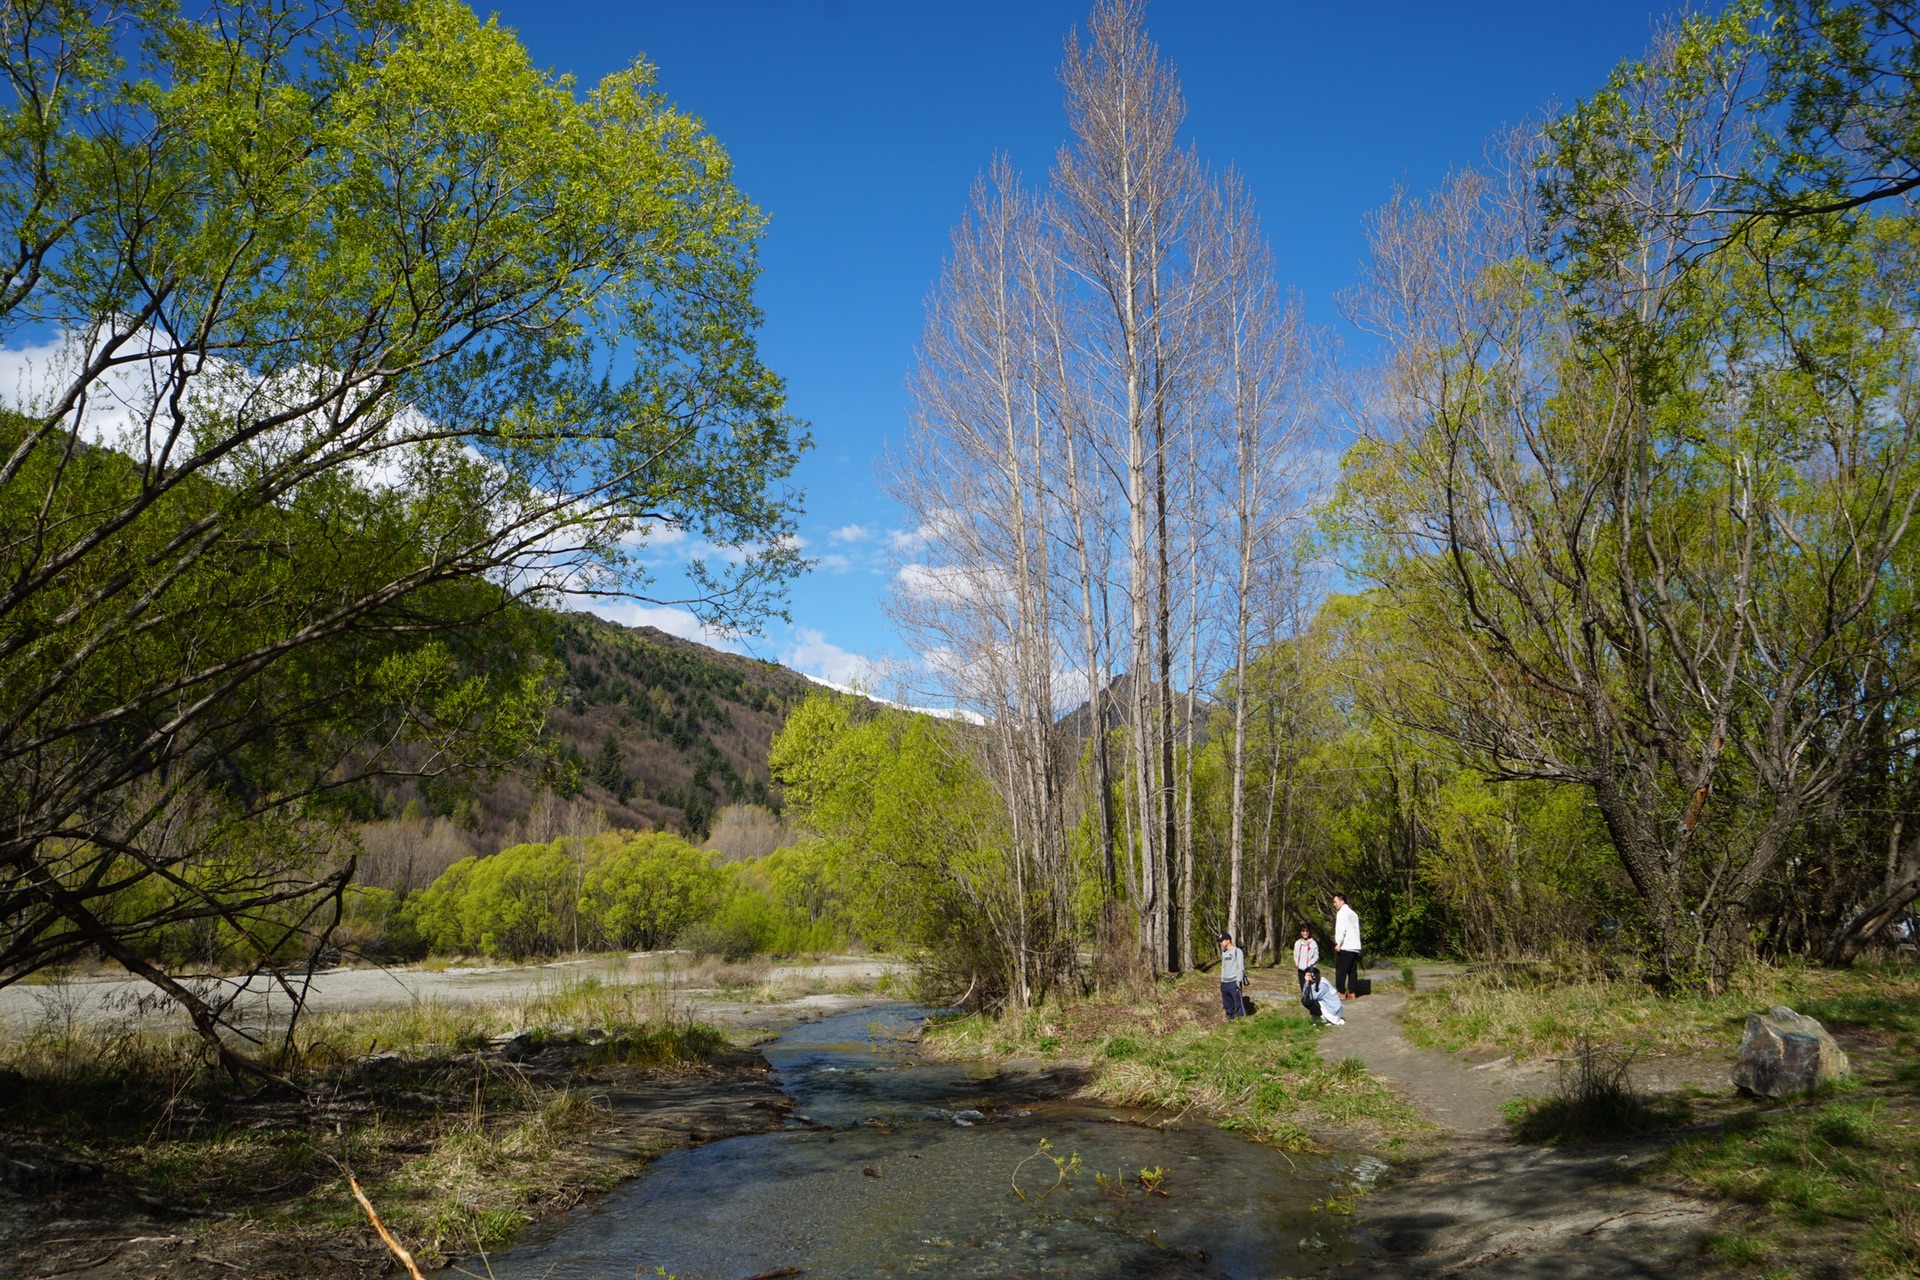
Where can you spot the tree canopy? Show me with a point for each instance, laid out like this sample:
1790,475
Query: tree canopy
355,334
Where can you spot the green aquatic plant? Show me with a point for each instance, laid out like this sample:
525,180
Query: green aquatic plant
1064,1167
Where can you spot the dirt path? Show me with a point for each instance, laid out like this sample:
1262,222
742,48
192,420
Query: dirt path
1482,1206
1452,1093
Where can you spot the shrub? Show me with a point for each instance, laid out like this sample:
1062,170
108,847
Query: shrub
518,903
375,924
641,890
1596,1100
731,942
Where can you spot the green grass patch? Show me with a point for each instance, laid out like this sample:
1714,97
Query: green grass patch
1170,1051
1849,1163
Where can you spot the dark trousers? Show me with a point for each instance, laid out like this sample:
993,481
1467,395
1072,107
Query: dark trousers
1346,967
1232,1001
1312,1007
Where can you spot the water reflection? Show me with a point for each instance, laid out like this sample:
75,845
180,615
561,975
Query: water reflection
907,1171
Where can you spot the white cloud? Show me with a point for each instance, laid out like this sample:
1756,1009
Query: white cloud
835,563
851,533
952,584
661,617
909,540
654,535
812,654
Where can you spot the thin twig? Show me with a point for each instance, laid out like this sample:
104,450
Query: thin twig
398,1251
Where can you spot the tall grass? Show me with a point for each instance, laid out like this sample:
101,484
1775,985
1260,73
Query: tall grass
1596,1100
458,1147
431,1026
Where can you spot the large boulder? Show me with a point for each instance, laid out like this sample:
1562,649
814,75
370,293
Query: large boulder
1785,1053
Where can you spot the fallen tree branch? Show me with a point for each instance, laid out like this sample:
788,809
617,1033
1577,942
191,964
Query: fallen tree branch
387,1236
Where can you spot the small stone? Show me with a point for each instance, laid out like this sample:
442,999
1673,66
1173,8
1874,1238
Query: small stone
1784,1053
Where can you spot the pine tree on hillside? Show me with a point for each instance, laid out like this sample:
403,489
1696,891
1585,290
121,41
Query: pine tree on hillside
610,771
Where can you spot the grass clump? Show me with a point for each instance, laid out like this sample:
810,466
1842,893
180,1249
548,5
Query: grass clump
1596,1101
1167,1049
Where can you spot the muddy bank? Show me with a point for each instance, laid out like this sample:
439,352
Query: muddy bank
116,1212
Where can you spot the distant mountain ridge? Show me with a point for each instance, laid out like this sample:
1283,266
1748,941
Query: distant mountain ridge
692,725
1077,724
657,731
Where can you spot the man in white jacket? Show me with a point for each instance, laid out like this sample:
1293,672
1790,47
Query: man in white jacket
1306,954
1346,945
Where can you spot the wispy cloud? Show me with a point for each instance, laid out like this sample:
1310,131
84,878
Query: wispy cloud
909,540
662,617
851,533
812,654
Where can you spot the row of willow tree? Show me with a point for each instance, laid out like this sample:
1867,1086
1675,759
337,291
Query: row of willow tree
1631,479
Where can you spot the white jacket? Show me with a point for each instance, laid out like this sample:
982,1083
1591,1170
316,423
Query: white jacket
1306,953
1346,929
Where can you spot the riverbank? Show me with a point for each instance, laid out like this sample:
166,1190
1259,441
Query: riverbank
1274,1077
1818,1187
716,990
1440,1080
121,1155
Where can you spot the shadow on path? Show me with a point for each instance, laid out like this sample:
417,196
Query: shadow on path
1480,1205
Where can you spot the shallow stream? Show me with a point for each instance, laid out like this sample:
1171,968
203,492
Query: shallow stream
896,1167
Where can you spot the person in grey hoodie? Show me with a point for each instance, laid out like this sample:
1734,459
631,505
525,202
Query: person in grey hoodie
1233,978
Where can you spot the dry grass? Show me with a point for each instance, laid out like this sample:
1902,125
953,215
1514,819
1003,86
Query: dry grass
1546,1011
1164,1047
458,1147
429,1027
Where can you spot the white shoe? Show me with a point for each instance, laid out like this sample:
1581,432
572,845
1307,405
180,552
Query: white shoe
1337,1020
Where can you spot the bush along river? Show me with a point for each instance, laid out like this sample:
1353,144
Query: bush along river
892,1166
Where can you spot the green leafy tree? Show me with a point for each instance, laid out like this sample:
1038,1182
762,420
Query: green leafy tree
640,891
1651,511
516,903
919,838
365,334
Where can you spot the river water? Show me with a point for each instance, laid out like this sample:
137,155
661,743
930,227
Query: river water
899,1167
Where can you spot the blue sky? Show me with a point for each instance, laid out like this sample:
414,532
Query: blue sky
858,126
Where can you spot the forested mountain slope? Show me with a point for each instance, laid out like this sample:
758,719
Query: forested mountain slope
654,731
662,731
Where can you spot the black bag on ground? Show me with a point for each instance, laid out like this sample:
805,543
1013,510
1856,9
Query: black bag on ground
1247,1003
1362,986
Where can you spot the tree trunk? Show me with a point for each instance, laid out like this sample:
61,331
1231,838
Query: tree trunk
1900,887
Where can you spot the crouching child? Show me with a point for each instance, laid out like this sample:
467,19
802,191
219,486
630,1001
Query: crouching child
1320,1000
